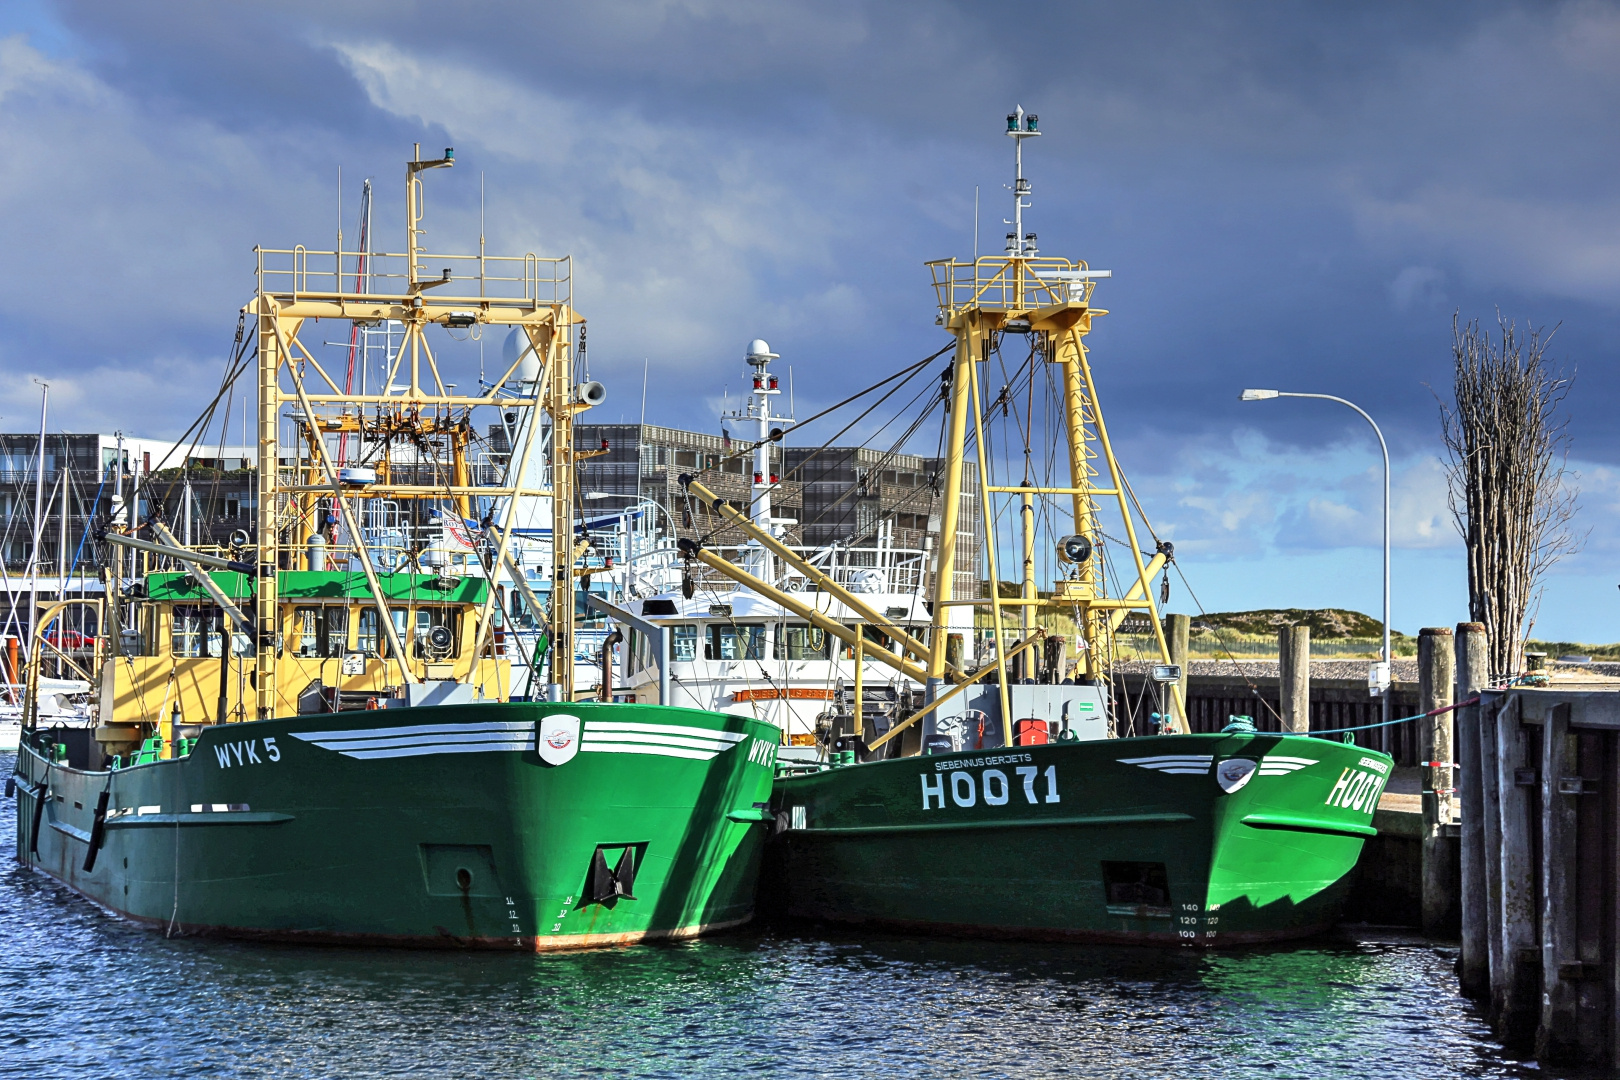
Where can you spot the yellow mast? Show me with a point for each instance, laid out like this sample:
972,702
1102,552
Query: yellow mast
1023,292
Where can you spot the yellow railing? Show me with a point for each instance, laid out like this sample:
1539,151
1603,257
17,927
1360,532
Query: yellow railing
1012,284
299,273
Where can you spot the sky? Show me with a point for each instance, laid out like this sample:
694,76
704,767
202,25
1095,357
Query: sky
1298,196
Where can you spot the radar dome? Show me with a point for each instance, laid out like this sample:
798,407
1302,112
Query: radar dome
517,344
759,350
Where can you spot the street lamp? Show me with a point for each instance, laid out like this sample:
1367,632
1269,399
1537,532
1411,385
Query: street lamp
1384,675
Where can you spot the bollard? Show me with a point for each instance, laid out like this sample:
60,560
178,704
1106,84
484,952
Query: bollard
1057,658
1177,629
1473,971
1294,677
1516,993
1436,671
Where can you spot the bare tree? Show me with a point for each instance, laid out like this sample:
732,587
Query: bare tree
1510,490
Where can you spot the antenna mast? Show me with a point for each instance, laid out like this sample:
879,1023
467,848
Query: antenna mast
1020,245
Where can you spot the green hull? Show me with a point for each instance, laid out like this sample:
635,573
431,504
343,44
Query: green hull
426,826
1122,840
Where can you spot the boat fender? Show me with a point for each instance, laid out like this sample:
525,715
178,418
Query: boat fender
98,831
11,786
39,815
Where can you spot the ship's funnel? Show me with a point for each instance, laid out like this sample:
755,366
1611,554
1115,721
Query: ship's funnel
590,393
516,344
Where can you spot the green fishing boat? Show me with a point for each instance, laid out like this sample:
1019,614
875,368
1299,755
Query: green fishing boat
307,732
1171,840
1005,790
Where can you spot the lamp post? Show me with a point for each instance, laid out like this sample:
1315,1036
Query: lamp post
1388,658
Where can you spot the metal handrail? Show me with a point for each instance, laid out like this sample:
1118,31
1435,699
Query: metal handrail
538,279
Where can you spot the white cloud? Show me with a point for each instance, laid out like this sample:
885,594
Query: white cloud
674,230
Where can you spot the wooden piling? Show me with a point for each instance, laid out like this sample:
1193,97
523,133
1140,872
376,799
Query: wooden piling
1558,1037
1516,993
1294,677
1177,631
1490,802
1436,671
1472,672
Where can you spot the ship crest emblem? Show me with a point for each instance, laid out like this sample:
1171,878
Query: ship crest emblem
1233,773
557,738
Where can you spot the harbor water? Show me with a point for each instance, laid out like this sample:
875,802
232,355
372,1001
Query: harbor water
84,994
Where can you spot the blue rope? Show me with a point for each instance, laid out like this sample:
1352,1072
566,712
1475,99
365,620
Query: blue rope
82,536
1366,727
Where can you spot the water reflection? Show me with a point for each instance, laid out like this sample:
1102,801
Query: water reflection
82,994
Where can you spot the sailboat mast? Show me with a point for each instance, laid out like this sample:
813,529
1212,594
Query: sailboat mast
39,521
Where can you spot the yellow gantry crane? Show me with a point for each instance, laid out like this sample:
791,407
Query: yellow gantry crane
298,285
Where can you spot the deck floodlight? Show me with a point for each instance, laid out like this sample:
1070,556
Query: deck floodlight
1074,549
1166,673
1258,395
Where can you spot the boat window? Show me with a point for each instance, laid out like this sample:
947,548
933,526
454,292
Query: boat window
368,636
429,617
322,631
683,643
522,618
875,639
735,641
189,636
196,632
800,642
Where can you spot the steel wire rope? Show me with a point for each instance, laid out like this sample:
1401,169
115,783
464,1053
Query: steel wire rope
908,373
877,466
1253,688
234,369
724,525
1182,574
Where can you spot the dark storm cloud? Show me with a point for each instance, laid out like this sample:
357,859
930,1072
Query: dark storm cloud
1290,194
